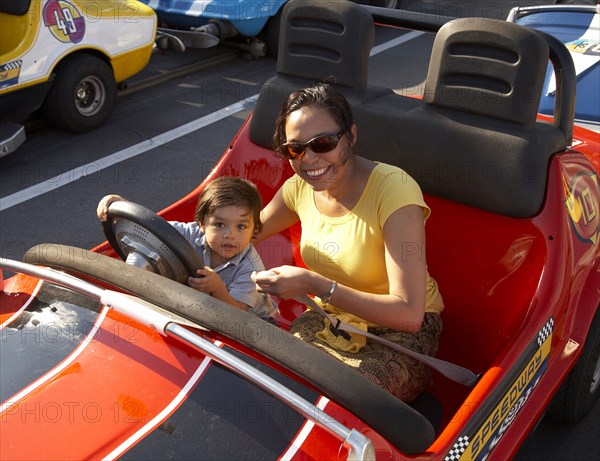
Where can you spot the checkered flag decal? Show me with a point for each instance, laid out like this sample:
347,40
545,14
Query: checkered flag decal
9,73
458,448
545,331
11,65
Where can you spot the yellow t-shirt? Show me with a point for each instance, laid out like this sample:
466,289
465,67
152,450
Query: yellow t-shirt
350,248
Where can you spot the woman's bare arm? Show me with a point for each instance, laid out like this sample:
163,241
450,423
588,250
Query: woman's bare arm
276,216
403,308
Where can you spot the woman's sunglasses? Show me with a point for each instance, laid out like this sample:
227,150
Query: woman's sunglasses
319,145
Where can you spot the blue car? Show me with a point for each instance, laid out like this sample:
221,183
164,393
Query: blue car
203,24
249,24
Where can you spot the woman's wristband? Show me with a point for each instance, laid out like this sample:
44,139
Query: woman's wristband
326,297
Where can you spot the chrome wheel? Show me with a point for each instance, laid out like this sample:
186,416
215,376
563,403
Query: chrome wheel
595,378
90,96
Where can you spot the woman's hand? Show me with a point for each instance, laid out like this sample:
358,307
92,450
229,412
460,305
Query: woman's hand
287,282
102,210
208,282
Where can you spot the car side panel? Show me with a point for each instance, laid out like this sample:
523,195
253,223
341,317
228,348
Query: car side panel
248,17
58,28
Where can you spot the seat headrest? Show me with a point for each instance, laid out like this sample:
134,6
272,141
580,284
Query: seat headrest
326,39
488,67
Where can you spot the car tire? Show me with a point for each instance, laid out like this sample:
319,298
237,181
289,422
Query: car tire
83,94
575,2
580,391
391,4
270,33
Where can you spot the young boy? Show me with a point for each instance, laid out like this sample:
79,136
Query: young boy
227,217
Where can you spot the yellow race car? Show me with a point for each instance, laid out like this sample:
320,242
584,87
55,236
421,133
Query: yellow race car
67,57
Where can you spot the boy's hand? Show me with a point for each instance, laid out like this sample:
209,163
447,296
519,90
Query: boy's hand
102,210
207,282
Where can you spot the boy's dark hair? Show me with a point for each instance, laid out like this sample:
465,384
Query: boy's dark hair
229,191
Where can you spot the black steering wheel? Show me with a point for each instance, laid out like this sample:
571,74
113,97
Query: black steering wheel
132,228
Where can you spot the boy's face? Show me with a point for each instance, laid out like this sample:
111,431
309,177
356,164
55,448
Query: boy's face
228,231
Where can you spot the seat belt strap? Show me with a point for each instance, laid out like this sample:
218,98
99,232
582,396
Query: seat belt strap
449,370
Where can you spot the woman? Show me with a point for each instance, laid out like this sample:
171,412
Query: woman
363,240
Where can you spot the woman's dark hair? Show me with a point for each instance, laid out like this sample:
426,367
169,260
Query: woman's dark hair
321,95
229,191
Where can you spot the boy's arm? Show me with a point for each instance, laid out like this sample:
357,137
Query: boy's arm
224,296
102,209
241,287
211,283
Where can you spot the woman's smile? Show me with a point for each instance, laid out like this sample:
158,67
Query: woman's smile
316,173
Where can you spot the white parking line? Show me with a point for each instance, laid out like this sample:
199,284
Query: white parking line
395,42
73,175
137,149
